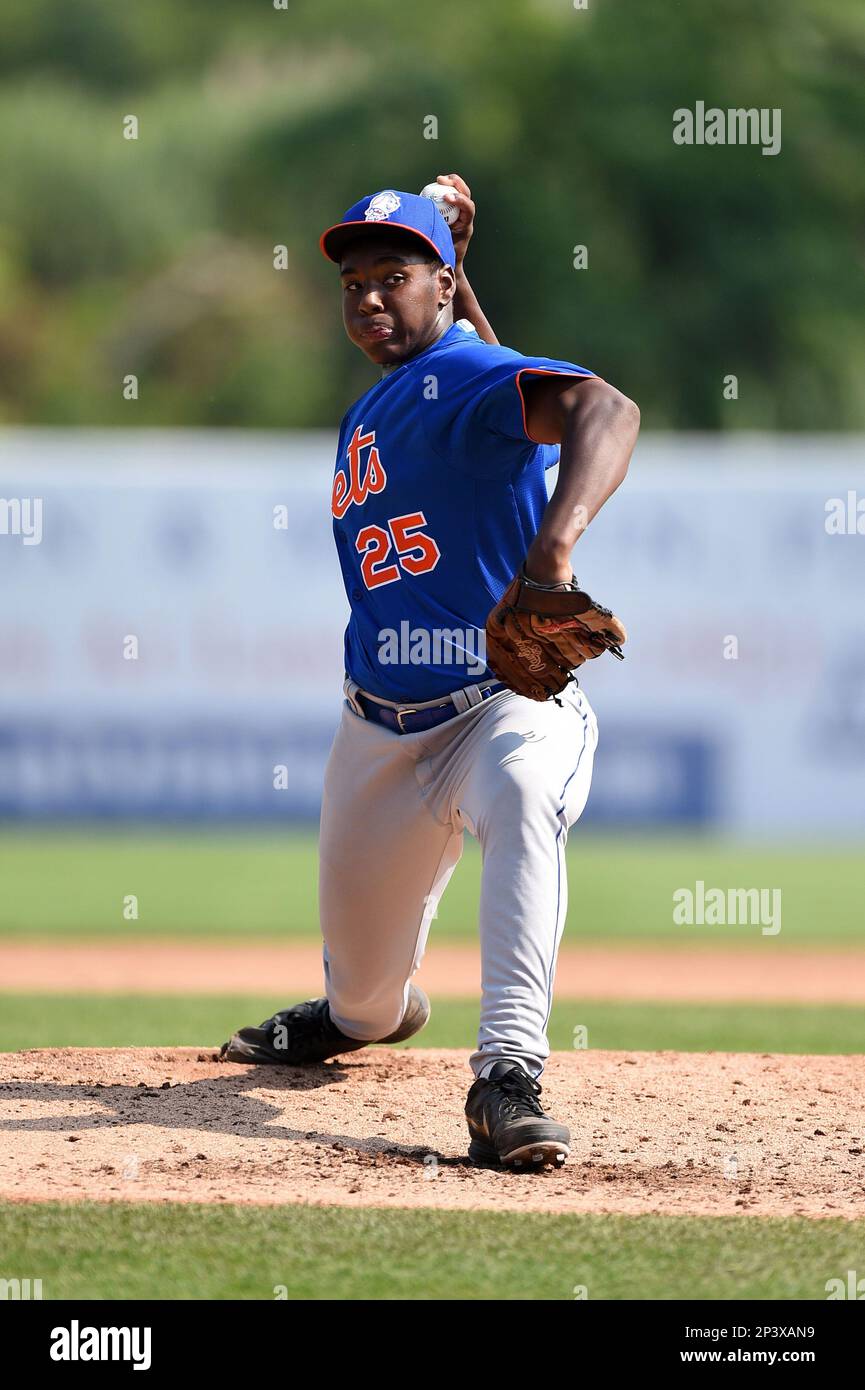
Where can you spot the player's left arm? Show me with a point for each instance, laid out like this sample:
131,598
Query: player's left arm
597,429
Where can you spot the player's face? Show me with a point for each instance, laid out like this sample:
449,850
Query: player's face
394,303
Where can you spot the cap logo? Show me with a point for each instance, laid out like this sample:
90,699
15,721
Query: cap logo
381,207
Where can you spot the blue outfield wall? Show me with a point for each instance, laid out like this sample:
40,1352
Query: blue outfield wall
212,771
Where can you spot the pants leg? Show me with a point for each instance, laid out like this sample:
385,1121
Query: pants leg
527,784
384,861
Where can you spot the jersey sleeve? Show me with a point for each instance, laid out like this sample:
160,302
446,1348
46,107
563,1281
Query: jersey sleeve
500,403
480,423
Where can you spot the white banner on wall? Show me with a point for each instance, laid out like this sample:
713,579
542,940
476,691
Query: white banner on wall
741,704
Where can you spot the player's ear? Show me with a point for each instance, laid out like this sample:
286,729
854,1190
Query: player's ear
447,285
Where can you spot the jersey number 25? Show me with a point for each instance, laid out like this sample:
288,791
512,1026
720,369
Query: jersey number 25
416,552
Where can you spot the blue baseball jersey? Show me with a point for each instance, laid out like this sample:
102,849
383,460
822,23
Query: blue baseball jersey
438,493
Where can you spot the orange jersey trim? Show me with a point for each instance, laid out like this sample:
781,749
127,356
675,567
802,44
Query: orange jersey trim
546,371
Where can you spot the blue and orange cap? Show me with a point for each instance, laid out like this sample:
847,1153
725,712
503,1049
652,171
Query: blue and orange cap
405,212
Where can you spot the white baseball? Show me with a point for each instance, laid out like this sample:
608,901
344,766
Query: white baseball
436,191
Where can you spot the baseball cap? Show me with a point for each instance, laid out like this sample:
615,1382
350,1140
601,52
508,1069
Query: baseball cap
405,212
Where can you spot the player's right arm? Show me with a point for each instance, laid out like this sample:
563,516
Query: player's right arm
465,301
596,427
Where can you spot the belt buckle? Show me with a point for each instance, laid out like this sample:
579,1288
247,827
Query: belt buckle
399,718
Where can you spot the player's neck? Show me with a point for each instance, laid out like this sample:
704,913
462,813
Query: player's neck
394,366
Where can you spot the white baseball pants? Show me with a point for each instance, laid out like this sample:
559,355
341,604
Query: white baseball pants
514,773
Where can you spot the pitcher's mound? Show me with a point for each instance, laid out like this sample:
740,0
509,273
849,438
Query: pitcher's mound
705,1133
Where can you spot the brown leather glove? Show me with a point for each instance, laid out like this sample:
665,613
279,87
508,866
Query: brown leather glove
536,636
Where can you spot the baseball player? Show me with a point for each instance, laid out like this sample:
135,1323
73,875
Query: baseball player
461,711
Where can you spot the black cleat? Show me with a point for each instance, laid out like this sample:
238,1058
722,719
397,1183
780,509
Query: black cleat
306,1034
507,1123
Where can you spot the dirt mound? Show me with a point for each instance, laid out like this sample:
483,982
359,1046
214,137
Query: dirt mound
667,1132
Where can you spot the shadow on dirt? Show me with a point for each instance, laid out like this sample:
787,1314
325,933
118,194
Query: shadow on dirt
230,1104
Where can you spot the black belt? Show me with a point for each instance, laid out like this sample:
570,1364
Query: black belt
406,720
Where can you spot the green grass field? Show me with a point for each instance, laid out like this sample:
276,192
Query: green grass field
43,1020
265,885
204,1252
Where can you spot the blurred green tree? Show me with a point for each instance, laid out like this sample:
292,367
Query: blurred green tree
259,125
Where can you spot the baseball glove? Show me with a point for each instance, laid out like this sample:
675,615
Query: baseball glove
536,636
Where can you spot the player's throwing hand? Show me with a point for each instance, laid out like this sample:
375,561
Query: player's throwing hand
461,196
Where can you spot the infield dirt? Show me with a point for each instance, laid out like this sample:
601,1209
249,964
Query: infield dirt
677,1133
701,974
